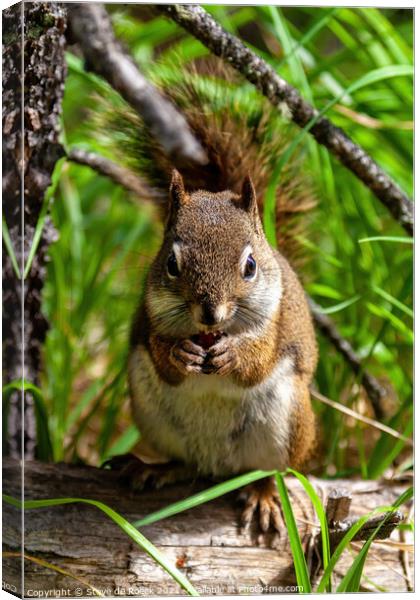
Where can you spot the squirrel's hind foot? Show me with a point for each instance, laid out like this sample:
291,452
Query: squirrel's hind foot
262,496
138,474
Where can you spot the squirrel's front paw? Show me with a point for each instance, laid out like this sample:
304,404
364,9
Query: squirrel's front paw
222,358
187,357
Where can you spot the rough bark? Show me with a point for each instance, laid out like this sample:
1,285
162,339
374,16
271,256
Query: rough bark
12,213
204,542
92,28
30,151
201,24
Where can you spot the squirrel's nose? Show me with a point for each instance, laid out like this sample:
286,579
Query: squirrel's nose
208,314
212,314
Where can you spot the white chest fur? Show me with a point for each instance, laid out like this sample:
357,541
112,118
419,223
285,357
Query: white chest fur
211,422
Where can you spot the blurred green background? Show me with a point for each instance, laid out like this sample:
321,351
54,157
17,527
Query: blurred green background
108,237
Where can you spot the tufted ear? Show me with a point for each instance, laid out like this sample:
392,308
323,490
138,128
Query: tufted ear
177,191
248,196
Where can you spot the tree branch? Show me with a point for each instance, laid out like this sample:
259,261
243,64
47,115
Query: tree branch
337,510
389,523
119,174
92,28
373,387
201,24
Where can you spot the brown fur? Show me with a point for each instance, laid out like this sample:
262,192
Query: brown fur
290,334
212,216
303,433
214,228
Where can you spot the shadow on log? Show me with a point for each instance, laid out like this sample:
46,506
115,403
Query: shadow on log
90,550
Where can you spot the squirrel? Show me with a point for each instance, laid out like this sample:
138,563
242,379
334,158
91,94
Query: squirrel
222,346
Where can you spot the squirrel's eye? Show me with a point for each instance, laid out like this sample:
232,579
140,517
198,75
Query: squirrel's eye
250,267
172,265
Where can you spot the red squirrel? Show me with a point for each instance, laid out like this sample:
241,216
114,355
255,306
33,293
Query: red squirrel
222,349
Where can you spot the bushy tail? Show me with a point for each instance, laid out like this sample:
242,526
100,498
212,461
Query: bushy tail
241,133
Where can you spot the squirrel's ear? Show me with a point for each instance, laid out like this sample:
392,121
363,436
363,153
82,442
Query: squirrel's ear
248,196
177,190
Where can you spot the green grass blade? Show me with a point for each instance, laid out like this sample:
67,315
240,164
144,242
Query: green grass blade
405,497
377,467
43,214
385,444
43,439
354,529
202,497
155,32
405,309
326,291
387,238
75,65
397,46
124,443
316,27
135,535
87,300
398,324
35,241
9,248
269,211
381,74
232,20
301,568
351,580
328,258
340,306
87,397
291,57
322,518
94,406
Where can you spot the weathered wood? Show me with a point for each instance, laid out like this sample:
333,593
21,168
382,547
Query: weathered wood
205,542
338,505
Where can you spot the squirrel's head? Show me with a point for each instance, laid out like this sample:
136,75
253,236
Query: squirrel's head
215,271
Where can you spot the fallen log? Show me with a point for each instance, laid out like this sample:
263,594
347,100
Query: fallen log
76,550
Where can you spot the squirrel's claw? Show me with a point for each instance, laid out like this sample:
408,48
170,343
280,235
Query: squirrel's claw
222,358
262,496
187,357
